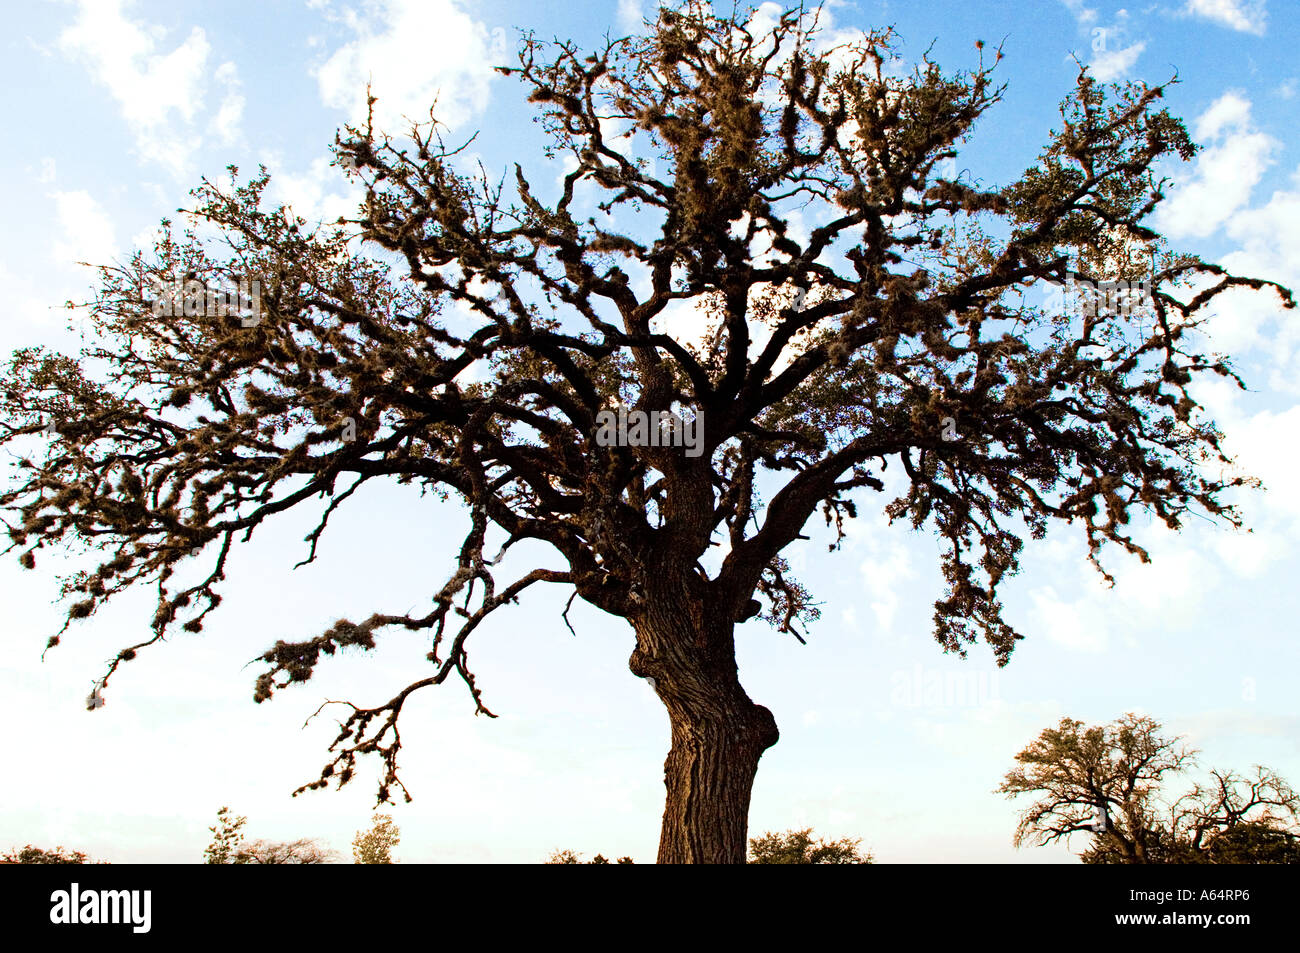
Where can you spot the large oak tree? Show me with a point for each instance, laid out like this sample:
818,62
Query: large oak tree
472,338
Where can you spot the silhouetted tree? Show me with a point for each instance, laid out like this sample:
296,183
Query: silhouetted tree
895,329
1106,782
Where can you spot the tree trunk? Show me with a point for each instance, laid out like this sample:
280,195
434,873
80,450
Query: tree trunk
718,733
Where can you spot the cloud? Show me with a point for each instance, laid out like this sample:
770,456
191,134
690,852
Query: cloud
87,230
1078,625
319,193
1110,62
160,94
1222,723
1225,173
630,15
413,52
1245,16
1270,235
1269,247
1084,14
887,566
1264,446
232,104
1110,65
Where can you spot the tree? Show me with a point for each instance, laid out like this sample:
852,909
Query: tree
798,847
816,360
1106,782
1253,842
569,857
38,855
305,850
228,846
375,846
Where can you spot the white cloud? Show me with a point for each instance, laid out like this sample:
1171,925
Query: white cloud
629,15
1110,61
1229,111
232,104
884,571
1110,65
412,52
319,193
1245,16
1264,446
153,89
1270,235
1078,625
1269,240
1225,173
87,230
1084,14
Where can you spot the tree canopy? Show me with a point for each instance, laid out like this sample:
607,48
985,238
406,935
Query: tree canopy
1109,783
375,846
798,847
465,333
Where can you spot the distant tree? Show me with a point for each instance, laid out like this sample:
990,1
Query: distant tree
227,845
37,855
569,857
375,846
1233,814
1254,842
798,847
302,851
1105,782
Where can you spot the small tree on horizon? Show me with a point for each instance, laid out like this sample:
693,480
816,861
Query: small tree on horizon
227,845
569,857
798,847
38,855
474,337
375,846
304,850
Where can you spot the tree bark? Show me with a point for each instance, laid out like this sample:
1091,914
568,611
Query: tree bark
718,733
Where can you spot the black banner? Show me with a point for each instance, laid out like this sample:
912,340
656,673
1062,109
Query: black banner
143,904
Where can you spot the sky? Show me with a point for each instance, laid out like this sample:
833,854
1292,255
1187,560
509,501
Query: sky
116,109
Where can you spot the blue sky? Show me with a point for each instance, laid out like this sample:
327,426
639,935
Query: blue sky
116,109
